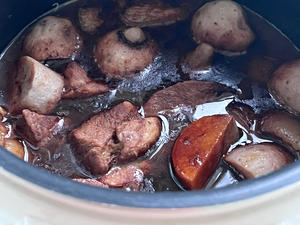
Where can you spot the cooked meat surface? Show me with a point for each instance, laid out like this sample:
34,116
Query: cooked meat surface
34,87
258,159
188,93
153,15
89,19
137,136
79,85
92,182
52,38
40,130
282,126
129,176
99,130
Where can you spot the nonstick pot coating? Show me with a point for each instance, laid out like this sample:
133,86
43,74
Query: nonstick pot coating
14,15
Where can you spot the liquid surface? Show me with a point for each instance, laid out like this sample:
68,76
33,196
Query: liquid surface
174,42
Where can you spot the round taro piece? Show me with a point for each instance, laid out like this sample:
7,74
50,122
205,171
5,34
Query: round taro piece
284,86
123,53
52,38
223,25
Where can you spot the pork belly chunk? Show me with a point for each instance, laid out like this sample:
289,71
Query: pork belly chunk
258,159
137,136
34,87
79,85
41,130
94,140
52,38
130,176
91,182
283,126
117,135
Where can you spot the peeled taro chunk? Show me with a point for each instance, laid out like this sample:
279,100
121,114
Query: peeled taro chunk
79,85
223,25
153,15
258,159
284,86
123,53
52,38
35,87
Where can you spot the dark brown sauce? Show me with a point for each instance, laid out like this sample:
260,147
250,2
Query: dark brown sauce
174,41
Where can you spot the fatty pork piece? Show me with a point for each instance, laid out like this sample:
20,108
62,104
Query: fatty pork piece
89,19
189,93
41,130
130,176
258,159
52,38
123,53
283,126
149,15
34,87
284,86
223,25
79,85
137,136
101,140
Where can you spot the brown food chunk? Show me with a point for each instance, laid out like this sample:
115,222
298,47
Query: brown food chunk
137,136
40,130
99,130
258,159
261,68
283,126
94,140
223,25
3,113
201,58
91,182
52,38
79,85
99,160
284,86
188,93
34,87
153,15
120,57
130,176
199,148
89,19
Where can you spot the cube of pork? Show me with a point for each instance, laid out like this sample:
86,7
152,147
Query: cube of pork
79,85
52,38
40,130
99,130
94,140
130,176
35,87
258,159
92,182
137,136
